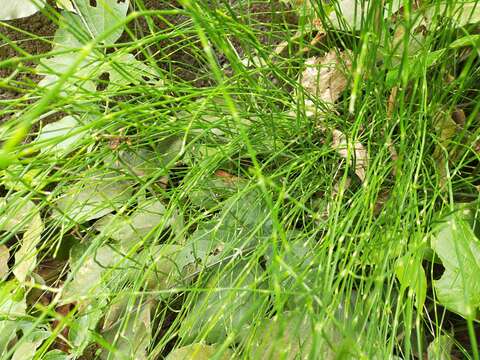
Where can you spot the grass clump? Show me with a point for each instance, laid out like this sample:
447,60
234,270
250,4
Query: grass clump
243,179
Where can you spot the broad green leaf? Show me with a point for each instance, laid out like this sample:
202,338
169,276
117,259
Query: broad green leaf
218,312
416,67
19,214
4,256
353,13
20,8
169,149
56,355
92,198
349,14
140,162
68,41
459,250
86,323
12,307
440,348
105,17
288,337
199,351
66,5
459,12
26,256
88,277
163,266
469,40
210,192
129,230
32,338
63,135
132,333
15,212
410,274
124,70
23,178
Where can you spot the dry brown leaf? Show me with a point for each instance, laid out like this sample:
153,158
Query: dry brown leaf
326,77
360,156
4,256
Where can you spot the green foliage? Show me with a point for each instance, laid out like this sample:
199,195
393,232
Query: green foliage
458,248
274,207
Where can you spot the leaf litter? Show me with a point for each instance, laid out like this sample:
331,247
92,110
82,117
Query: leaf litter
213,253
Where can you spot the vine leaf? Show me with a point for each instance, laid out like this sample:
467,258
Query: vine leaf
459,250
19,8
104,17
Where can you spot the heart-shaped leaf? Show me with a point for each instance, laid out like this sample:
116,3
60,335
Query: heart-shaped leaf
104,18
459,250
91,198
20,8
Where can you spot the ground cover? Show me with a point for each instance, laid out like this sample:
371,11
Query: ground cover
239,179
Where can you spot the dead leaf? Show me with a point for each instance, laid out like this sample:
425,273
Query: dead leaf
360,155
325,78
445,128
4,256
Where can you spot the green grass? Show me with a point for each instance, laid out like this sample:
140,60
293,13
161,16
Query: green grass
285,248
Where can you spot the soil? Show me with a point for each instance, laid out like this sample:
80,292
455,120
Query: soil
182,63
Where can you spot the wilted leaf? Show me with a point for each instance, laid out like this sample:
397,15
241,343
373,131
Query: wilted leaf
440,348
88,276
104,17
355,152
457,246
32,338
211,191
64,134
461,13
20,8
80,332
354,12
410,274
66,5
68,41
286,337
56,355
418,65
92,198
125,70
21,215
15,211
12,307
129,230
198,351
141,162
217,312
325,78
26,256
163,266
4,256
132,333
469,40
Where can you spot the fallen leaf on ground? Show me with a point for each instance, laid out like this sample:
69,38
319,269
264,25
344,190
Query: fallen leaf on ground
440,348
325,78
360,155
459,250
19,8
198,351
18,214
4,256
